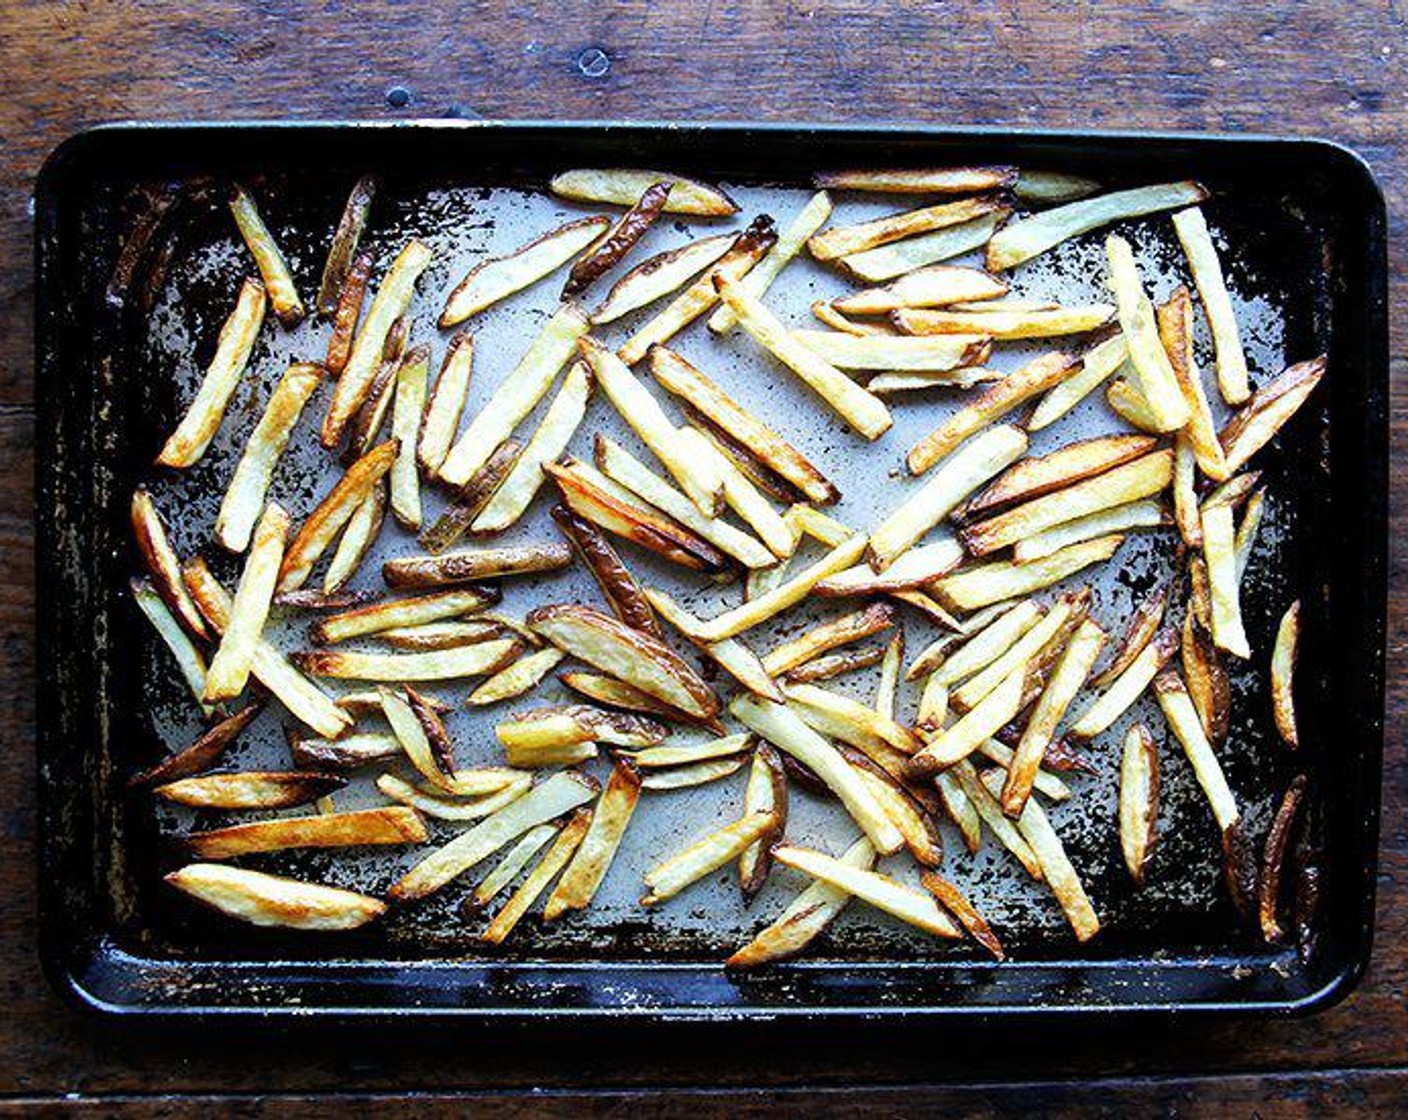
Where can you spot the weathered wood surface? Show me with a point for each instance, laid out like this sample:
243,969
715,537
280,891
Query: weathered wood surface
1333,69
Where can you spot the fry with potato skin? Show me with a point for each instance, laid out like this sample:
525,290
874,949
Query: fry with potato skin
730,654
516,678
346,314
1138,800
251,790
932,180
1126,688
667,878
471,564
902,257
590,862
414,611
766,792
921,837
507,869
904,902
1101,359
956,903
1158,383
370,417
342,252
971,588
1192,230
1001,323
623,186
229,668
618,586
612,247
407,408
351,752
659,276
1188,730
271,900
981,799
1143,624
934,286
204,753
1175,326
1283,667
391,825
831,635
1038,647
421,736
840,241
446,404
1268,410
527,893
273,269
162,562
1036,476
982,721
984,646
442,806
869,351
1274,859
480,659
1208,682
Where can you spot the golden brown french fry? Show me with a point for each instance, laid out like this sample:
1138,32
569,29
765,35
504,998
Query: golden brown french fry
623,186
198,426
960,809
971,588
915,568
470,564
584,874
1038,475
342,252
391,825
1185,495
1273,859
411,379
560,794
229,668
693,774
332,513
1038,645
608,690
516,395
1138,799
424,741
741,494
1158,384
921,837
1251,428
1208,682
1046,783
1030,237
392,299
925,180
642,660
862,410
730,654
933,706
527,893
766,792
1100,361
1187,728
271,900
1192,230
1003,323
982,794
622,592
889,261
437,804
367,422
1047,188
659,276
348,311
667,878
1283,667
962,472
893,351
351,752
1175,324
992,404
518,678
982,721
273,269
880,891
888,687
690,385
614,244
984,645
840,241
162,562
576,723
1219,551
654,757
830,317
480,659
1147,513
1126,688
249,790
748,248
446,403
866,721
1143,624
935,286
956,903
250,483
393,613
499,277
960,377
827,636
789,243
507,869
1129,405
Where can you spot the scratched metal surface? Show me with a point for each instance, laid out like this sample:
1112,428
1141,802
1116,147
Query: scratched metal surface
1180,912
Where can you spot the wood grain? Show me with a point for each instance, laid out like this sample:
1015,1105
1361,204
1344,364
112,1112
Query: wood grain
1331,68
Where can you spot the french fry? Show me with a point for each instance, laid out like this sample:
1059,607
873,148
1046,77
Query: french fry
271,900
893,352
435,803
1138,800
343,249
1100,361
1251,428
415,611
528,891
1003,323
880,891
921,837
789,243
1126,688
667,878
446,404
1030,237
1283,667
622,592
559,794
935,180
584,874
686,382
693,774
659,276
956,903
772,484
747,250
971,588
309,599
827,636
840,241
960,377
423,740
348,311
819,526
915,568
229,668
406,410
1065,681
351,752
806,917
611,248
392,299
733,622
273,269
204,753
304,700
1158,383
1175,325
370,417
935,286
1047,188
576,723
392,825
252,790
1185,495
963,471
991,405
162,563
623,186
471,499
888,687
889,261
862,410
1039,475
866,721
250,483
1221,558
982,721
1274,858
651,758
741,495
1046,783
1037,646
1145,514
480,659
332,514
1192,230
1207,679
780,725
766,792
927,606
730,654
641,660
1199,596
1187,728
471,564
507,869
1143,624
608,690
516,395
627,471
517,678
441,635
500,277
982,794
933,706
982,648
1247,530
198,426
529,755
960,809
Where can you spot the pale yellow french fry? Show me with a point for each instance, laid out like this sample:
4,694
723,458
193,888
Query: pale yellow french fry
925,180
960,377
1192,230
1219,549
693,774
272,900
984,646
1124,690
1048,188
1003,323
867,721
332,514
888,687
1187,728
1100,361
707,854
230,667
1062,616
789,243
516,396
1158,383
1283,668
513,861
933,705
198,426
915,568
356,540
984,720
960,810
1247,530
528,891
163,564
971,588
392,299
468,565
1267,411
659,276
584,875
406,410
189,660
827,636
446,808
741,495
273,269
651,758
446,404
936,286
1128,403
880,891
387,615
885,263
1022,240
249,484
822,527
730,654
984,799
1046,783
1144,514
623,186
840,241
517,678
893,351
411,733
439,665
1185,494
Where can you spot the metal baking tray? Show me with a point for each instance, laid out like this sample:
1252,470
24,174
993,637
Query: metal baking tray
1302,225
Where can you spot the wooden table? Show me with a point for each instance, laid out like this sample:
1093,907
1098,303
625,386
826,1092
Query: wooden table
1330,68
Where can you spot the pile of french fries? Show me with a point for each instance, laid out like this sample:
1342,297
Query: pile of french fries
986,546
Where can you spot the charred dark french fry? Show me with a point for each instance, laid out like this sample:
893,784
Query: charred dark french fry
470,565
1273,861
471,498
622,592
340,264
204,753
346,314
611,248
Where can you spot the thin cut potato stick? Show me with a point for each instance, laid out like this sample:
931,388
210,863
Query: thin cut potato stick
409,403
652,758
441,635
915,568
273,269
250,483
229,668
1129,405
880,891
1125,689
272,900
895,352
507,869
765,792
480,659
1003,323
439,805
349,310
1186,514
740,495
1158,383
1036,645
553,861
936,286
623,186
834,665
731,655
982,721
659,276
192,436
162,562
619,587
357,540
1220,552
390,825
612,247
1041,474
971,588
1100,361
889,261
342,253
1192,230
1267,411
1283,667
1187,728
960,377
866,720
840,241
1138,799
667,878
838,632
694,774
517,678
982,794
1022,240
789,243
1144,514
864,411
956,903
986,645
1247,530
613,811
921,180
189,660
469,565
201,755
446,404
1175,321
515,397
415,611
